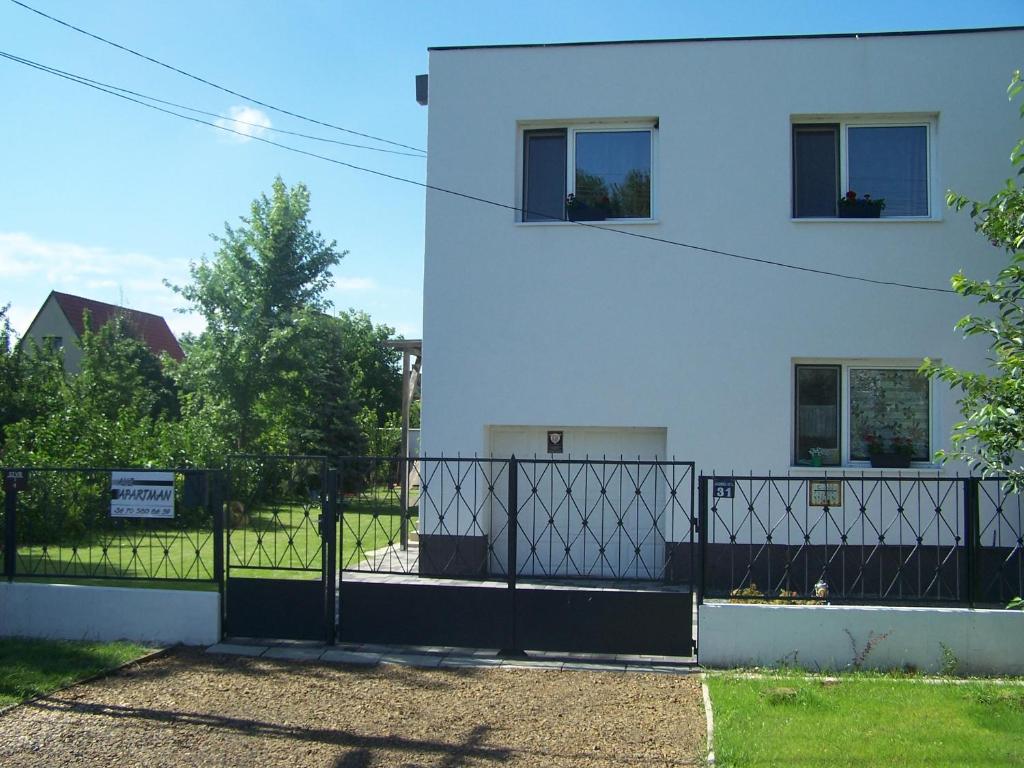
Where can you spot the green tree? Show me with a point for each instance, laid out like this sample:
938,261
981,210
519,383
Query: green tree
262,295
113,413
374,366
991,436
31,379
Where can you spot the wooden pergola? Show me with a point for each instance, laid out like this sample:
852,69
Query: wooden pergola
412,359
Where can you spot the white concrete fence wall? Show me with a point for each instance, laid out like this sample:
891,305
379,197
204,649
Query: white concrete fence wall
78,612
983,642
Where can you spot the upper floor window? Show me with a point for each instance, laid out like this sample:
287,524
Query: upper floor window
587,173
861,170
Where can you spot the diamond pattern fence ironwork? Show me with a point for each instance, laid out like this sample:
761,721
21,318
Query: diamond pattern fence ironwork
273,515
63,528
861,539
578,519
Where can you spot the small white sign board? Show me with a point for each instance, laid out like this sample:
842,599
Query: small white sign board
142,494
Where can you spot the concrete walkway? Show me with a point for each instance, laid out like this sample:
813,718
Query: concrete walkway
434,657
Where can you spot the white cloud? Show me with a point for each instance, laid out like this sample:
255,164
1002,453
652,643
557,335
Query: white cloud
354,284
251,122
23,256
31,267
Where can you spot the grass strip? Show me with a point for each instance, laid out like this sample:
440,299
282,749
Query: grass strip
32,667
858,720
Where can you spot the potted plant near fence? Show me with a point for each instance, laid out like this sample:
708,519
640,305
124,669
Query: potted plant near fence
853,207
579,210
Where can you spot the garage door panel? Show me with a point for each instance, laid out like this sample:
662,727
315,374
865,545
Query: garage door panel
586,519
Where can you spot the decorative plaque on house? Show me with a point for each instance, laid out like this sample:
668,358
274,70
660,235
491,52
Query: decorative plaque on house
555,444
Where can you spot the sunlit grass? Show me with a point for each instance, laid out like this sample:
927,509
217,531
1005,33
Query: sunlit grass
859,720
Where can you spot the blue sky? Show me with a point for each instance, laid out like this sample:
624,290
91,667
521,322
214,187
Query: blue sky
106,199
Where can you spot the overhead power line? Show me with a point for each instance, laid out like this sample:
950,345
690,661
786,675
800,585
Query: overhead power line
89,81
212,84
475,198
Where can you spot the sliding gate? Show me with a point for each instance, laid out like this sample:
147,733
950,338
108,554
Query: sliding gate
279,566
566,555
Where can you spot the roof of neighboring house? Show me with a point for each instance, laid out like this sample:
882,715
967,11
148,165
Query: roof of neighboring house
908,33
152,329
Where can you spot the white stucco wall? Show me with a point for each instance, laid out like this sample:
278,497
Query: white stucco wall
984,642
556,324
73,612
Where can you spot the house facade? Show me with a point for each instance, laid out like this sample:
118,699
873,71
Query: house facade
688,312
630,344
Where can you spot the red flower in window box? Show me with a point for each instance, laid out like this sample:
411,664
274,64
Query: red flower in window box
853,207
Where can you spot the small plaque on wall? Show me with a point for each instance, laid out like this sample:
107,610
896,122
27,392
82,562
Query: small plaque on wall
824,493
555,442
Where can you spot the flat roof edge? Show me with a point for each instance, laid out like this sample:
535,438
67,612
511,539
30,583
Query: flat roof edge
830,36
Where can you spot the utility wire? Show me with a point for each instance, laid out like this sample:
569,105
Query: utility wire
89,81
475,198
210,83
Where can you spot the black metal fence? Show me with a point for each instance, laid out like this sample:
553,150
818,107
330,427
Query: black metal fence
573,519
273,514
887,539
95,524
918,540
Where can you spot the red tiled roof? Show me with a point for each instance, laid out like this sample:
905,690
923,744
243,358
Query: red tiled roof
152,329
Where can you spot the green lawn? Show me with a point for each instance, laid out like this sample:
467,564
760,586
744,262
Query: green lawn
32,667
279,541
865,720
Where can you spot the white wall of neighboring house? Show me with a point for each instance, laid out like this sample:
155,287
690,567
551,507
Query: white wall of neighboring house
51,323
558,326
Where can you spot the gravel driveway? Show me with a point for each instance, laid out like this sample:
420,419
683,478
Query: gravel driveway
190,708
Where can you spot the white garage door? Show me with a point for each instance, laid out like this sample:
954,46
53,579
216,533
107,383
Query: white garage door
602,518
579,442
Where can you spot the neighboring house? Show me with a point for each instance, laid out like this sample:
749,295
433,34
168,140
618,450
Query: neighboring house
60,323
632,346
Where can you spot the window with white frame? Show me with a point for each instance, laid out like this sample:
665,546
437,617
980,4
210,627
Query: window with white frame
587,173
850,411
861,169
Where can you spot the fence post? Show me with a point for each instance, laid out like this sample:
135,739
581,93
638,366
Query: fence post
330,559
972,535
702,536
513,535
513,519
10,527
215,502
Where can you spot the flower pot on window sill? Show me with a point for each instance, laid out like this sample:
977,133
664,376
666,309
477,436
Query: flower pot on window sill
890,460
859,209
586,213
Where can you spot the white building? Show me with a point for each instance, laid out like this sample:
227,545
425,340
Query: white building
630,344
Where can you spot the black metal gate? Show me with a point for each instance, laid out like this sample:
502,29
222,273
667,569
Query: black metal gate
574,555
280,565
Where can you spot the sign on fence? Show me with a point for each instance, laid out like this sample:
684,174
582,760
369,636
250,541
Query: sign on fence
824,493
724,488
142,494
16,480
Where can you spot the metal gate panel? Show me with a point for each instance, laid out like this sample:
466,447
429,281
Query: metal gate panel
280,564
425,614
603,554
275,608
610,621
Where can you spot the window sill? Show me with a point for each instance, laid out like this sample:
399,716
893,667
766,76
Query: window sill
605,222
880,220
856,470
